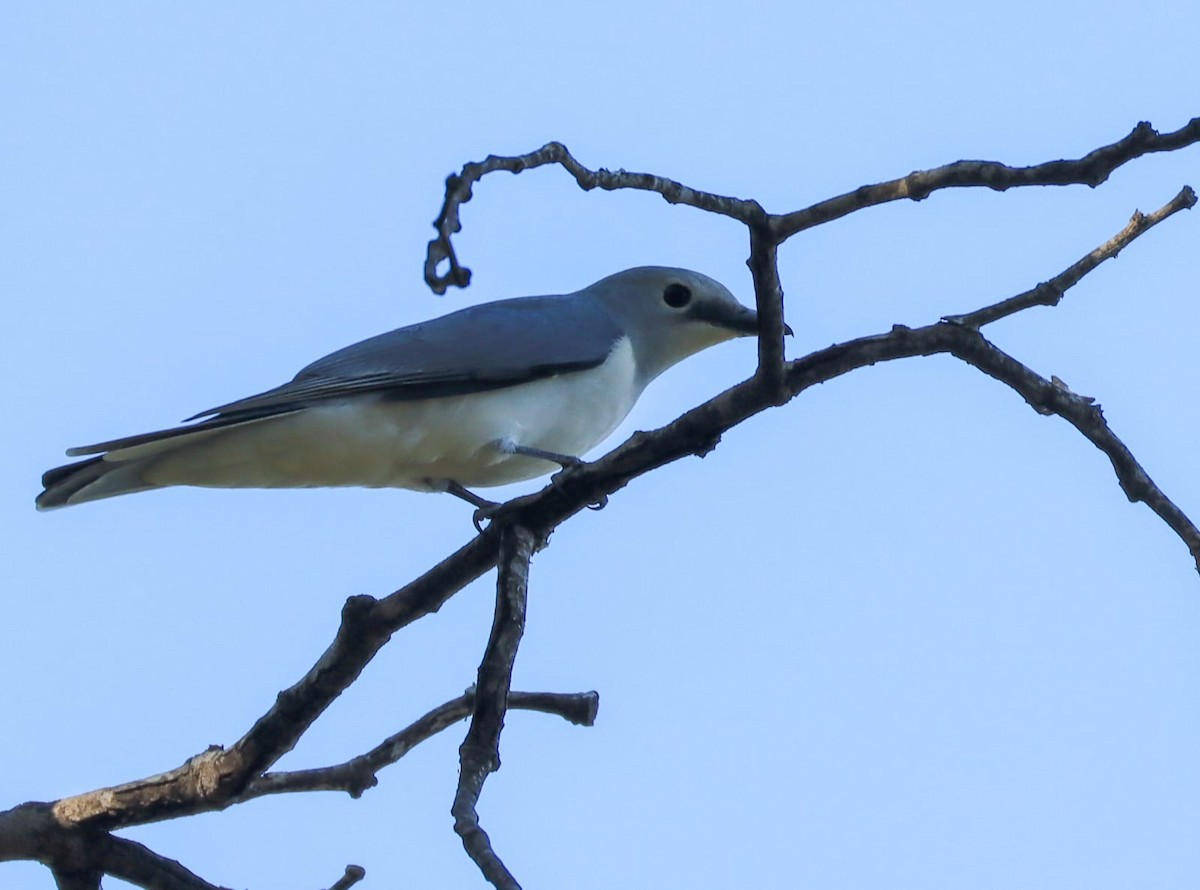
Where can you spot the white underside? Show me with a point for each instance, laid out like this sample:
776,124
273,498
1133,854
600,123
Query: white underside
380,443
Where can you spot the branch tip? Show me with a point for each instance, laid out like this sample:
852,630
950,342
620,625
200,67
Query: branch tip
1050,293
1093,169
352,875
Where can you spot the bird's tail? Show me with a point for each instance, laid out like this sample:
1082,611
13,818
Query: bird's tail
90,480
122,465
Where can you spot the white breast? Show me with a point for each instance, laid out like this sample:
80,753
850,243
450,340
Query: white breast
376,442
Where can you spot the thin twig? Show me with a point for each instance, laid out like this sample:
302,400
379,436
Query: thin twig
1045,396
1049,293
142,867
360,773
1092,169
459,191
1048,397
479,753
354,874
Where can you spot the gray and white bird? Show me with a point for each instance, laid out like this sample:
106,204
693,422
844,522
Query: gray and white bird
488,395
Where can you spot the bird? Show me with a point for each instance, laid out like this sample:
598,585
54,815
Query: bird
492,394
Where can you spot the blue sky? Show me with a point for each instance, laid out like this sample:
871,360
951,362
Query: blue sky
902,632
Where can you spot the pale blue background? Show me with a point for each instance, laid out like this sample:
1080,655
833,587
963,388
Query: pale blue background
902,633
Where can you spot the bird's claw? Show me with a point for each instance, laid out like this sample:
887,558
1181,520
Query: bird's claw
483,514
564,473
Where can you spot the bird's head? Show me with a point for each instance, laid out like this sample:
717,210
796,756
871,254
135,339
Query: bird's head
670,314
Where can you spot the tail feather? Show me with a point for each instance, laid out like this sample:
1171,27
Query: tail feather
90,480
162,439
120,469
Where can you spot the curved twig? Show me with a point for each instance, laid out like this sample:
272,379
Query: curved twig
459,191
1092,169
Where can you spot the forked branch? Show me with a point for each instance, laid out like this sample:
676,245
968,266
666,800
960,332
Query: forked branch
72,836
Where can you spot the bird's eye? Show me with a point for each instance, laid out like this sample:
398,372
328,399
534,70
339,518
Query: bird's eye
677,295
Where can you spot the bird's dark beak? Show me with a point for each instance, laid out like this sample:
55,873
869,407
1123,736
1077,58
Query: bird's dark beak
742,319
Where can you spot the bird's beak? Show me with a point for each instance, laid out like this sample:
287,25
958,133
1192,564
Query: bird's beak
742,320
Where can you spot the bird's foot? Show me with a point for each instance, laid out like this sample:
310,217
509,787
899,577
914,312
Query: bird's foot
558,478
484,514
484,509
566,461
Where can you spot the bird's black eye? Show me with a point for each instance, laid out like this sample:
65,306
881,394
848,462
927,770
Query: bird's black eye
677,295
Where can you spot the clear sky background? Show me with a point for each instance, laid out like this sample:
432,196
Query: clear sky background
903,632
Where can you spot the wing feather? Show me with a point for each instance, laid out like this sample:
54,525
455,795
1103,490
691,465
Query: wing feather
476,349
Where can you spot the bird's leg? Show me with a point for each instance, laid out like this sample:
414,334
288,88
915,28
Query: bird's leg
483,507
563,460
566,461
452,487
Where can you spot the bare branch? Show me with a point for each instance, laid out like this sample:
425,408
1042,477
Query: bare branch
367,625
70,836
142,867
360,773
213,779
1049,293
79,858
768,297
699,430
459,191
73,880
479,753
1049,397
1092,169
354,874
31,832
1045,396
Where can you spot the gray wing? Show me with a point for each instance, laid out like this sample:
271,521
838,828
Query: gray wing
475,349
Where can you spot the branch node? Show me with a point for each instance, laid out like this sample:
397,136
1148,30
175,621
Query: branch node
358,607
